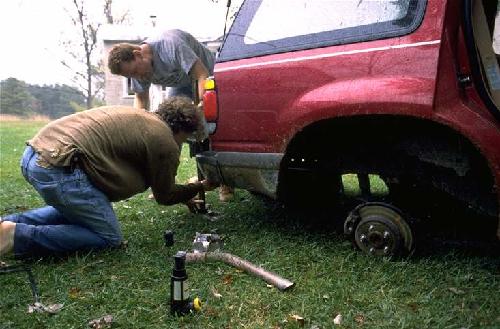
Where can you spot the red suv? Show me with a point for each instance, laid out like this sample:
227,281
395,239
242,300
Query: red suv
305,92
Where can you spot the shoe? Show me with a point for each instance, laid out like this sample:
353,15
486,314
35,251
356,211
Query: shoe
226,193
7,230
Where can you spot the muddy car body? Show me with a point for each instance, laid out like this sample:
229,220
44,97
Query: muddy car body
406,90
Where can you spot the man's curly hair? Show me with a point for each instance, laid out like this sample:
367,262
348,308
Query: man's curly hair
122,52
180,114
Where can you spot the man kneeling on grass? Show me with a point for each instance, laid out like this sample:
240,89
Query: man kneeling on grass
80,163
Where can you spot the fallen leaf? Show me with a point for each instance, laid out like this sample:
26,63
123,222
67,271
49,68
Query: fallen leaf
456,291
126,206
338,319
413,306
210,312
102,322
269,285
360,319
216,294
40,308
74,292
296,318
227,279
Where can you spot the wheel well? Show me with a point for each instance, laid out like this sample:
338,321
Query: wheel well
428,154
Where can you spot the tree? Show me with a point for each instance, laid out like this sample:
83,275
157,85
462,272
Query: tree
57,101
22,99
112,18
15,98
84,52
85,57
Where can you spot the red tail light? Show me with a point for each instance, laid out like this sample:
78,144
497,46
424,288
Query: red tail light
210,100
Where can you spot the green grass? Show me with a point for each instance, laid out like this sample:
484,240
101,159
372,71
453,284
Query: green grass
446,286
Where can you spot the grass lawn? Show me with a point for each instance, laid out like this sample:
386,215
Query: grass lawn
446,285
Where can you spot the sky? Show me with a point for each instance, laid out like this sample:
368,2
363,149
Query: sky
31,30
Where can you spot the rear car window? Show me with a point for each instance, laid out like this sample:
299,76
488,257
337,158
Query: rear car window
272,26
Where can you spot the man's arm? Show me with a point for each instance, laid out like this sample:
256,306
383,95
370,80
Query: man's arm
162,163
177,193
199,73
141,100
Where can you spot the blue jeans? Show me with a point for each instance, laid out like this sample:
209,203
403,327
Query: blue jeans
78,215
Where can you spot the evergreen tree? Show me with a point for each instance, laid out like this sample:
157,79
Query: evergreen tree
15,98
56,101
19,98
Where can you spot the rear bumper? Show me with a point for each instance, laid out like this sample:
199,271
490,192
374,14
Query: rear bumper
256,172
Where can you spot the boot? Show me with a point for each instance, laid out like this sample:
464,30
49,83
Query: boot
7,230
226,193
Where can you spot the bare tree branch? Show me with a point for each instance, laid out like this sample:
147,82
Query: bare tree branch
83,51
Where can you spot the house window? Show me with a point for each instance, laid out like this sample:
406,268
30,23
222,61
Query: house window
127,88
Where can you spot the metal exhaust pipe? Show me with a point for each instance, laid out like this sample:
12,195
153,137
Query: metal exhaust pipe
270,277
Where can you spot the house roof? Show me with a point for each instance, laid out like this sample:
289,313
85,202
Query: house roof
127,33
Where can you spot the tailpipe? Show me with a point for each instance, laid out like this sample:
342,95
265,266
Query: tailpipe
244,265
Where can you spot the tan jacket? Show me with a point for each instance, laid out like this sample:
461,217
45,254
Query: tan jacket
123,151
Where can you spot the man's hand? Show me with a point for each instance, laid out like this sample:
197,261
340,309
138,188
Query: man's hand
199,107
199,73
195,205
208,185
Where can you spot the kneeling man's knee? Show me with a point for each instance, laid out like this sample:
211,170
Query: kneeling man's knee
114,240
